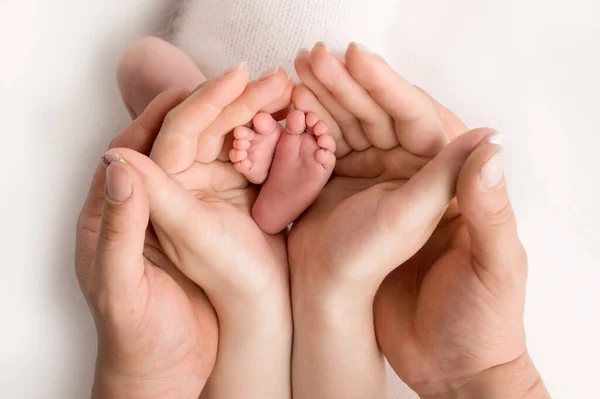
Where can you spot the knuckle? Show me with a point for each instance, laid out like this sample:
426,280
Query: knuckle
500,215
112,230
171,117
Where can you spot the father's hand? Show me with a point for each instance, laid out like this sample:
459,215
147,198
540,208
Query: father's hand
450,320
157,332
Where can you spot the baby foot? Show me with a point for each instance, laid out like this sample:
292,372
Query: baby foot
253,149
303,162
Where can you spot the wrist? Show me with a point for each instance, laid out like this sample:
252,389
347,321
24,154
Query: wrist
518,379
315,288
109,383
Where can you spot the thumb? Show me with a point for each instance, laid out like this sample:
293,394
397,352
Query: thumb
414,209
123,226
483,198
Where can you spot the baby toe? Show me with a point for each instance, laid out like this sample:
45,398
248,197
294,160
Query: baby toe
326,159
238,155
326,142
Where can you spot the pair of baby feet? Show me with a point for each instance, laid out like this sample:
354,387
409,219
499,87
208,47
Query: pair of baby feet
292,163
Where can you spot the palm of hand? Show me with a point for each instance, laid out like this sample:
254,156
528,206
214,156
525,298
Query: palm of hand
225,200
437,314
210,199
189,315
345,225
435,310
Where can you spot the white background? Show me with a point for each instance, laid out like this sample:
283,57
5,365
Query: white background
528,68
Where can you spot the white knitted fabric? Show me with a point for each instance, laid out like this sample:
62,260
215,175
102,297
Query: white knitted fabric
220,33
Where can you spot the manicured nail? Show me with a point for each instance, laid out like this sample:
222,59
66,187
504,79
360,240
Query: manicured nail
268,73
109,158
119,185
323,45
361,47
236,68
302,51
496,138
493,170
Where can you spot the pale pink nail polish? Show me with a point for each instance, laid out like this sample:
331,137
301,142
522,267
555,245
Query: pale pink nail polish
119,185
492,171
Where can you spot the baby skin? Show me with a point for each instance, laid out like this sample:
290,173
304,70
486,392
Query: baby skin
292,163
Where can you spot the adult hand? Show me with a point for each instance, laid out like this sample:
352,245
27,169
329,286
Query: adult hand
450,320
157,331
388,190
200,209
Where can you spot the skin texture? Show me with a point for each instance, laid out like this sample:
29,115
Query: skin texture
293,165
369,189
127,278
196,198
435,314
139,85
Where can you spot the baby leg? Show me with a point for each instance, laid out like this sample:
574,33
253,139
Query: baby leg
149,67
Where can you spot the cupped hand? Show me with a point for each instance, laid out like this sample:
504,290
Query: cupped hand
454,310
388,194
200,209
157,331
450,320
395,178
200,205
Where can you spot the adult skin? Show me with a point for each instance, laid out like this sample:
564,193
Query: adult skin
147,349
450,318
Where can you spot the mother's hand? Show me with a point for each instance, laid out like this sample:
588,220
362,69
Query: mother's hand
200,210
157,331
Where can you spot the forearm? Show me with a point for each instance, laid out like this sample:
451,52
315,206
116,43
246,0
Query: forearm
254,354
515,380
335,351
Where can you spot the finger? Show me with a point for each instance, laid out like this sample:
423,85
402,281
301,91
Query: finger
283,102
349,124
306,101
279,108
171,206
385,165
257,95
453,126
119,262
415,208
486,208
183,130
376,124
417,126
139,136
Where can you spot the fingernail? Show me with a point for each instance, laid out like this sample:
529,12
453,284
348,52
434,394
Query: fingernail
361,47
302,51
236,68
496,138
493,170
268,73
109,158
323,45
119,185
